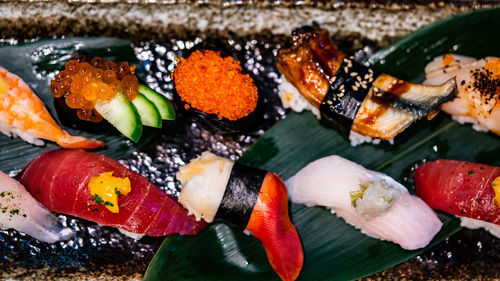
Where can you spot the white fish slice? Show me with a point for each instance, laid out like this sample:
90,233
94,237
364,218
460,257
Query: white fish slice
328,182
20,211
470,105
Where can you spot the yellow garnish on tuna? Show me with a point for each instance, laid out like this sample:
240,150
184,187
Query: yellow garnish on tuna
496,187
105,189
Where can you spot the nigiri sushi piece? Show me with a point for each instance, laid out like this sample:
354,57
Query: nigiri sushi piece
351,97
95,94
371,201
468,190
23,114
99,189
214,188
20,211
478,89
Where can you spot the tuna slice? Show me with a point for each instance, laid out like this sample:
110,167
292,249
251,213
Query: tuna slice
59,180
459,188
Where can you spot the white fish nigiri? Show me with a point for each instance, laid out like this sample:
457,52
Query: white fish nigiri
20,211
478,89
368,200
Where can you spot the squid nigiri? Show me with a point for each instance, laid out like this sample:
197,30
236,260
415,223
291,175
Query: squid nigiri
214,188
99,189
468,190
23,114
368,200
20,211
351,97
478,89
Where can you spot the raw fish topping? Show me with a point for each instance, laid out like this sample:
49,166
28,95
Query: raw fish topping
496,187
85,81
460,188
59,179
20,211
478,90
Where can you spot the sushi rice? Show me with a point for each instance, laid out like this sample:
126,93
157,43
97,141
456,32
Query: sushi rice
492,228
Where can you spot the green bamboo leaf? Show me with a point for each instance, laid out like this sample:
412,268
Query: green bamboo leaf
333,249
36,63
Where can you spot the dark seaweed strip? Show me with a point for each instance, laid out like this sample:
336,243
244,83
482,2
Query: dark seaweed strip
240,196
343,99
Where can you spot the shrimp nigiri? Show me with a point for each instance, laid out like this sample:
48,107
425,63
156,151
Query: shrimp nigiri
20,211
23,114
478,89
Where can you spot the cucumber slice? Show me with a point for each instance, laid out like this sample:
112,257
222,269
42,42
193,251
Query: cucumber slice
150,116
165,107
122,114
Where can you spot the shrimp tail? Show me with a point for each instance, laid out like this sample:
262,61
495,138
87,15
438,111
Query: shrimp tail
69,141
23,114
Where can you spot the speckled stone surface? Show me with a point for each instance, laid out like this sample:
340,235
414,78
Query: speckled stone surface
163,29
374,22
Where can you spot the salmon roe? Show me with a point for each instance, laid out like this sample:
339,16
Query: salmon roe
213,84
85,81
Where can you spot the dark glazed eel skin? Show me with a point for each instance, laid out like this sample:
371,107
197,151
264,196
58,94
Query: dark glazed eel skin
351,96
310,62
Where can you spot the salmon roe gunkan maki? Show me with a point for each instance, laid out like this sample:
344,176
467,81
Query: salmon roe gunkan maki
86,81
98,95
216,85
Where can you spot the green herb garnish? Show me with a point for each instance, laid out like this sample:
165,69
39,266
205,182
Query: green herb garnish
108,204
97,198
356,194
470,172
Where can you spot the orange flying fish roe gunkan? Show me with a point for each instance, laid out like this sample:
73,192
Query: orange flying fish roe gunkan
213,84
85,81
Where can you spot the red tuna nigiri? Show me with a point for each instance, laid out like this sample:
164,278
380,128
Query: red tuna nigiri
459,188
59,179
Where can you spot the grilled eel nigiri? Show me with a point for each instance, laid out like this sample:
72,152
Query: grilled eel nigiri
351,96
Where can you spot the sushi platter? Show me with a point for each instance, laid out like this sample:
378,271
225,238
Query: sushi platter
224,156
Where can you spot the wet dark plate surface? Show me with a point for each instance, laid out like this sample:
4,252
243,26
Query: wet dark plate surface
467,254
96,247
